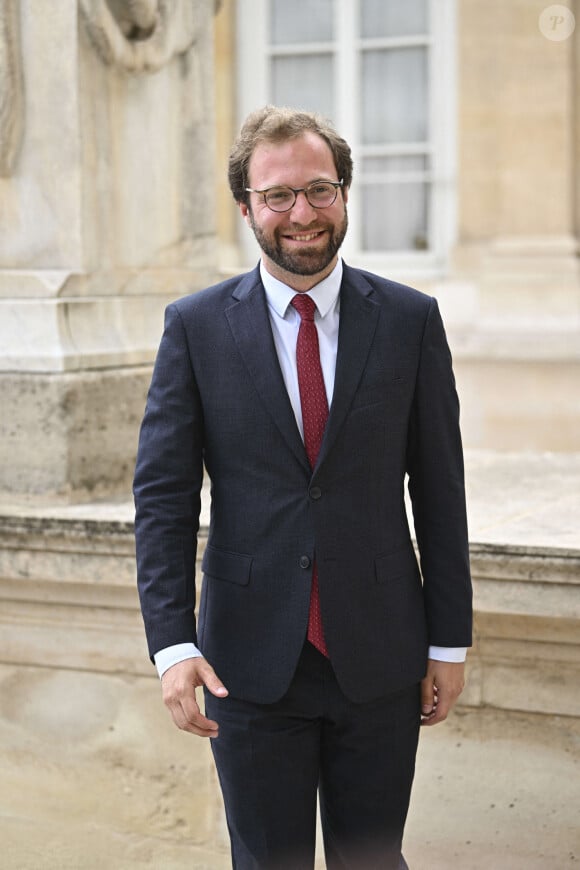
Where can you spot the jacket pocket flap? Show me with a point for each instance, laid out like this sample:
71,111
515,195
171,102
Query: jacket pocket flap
233,567
398,563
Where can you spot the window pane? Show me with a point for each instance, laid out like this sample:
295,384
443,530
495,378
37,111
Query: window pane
304,82
301,21
395,217
394,18
396,163
394,96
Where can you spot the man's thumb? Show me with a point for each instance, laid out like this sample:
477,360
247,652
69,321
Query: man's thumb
212,682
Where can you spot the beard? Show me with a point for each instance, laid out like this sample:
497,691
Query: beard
307,261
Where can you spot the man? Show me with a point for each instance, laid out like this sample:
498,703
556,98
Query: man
308,390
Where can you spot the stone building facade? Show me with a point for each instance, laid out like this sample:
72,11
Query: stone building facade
500,84
115,123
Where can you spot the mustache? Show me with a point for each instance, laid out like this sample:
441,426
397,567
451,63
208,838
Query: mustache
299,228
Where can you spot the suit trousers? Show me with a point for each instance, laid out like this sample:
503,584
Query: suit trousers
273,759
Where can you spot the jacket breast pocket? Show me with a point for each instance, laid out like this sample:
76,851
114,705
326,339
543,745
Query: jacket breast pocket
223,565
379,390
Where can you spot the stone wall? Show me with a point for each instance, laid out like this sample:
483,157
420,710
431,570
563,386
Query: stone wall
69,600
106,215
68,594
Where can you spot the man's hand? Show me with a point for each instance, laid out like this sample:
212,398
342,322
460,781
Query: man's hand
178,685
440,690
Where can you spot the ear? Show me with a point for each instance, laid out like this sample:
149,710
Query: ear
345,194
245,212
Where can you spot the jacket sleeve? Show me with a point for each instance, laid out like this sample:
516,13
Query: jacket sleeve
167,486
437,490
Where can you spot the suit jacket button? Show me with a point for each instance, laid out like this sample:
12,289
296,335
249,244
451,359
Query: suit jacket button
305,561
315,492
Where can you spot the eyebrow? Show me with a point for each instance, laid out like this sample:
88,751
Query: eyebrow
309,184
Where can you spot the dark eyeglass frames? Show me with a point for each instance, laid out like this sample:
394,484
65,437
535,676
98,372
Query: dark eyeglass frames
320,194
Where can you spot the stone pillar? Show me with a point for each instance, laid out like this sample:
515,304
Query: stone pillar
106,214
514,309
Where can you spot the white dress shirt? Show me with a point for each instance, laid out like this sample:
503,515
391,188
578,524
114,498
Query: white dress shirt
285,322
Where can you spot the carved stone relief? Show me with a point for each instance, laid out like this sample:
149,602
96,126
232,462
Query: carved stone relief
140,35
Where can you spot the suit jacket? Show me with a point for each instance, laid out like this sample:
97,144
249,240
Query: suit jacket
218,399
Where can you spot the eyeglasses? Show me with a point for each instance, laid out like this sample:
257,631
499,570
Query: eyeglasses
321,194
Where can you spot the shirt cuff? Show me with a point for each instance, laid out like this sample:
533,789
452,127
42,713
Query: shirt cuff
448,653
170,655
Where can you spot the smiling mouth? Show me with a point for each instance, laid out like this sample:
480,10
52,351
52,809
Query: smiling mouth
304,237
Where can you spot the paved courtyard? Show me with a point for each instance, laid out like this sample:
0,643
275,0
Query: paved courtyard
93,775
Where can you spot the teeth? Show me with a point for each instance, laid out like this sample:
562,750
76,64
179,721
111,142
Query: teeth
305,237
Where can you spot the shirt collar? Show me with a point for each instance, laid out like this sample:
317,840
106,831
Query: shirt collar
324,294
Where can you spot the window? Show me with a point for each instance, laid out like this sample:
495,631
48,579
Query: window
383,71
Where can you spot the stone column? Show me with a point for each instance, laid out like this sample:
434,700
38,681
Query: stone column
106,214
515,308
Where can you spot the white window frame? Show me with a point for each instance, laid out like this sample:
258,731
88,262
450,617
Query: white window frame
253,57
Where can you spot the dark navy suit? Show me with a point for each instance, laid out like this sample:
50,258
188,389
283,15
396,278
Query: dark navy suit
218,400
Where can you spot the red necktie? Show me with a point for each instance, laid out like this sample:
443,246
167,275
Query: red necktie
314,415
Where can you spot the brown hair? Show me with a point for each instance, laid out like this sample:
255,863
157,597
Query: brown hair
277,124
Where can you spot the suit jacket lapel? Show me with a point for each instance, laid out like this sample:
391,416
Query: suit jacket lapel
250,325
359,315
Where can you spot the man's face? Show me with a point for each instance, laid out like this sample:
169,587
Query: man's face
300,245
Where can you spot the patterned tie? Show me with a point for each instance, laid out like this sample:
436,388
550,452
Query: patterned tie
314,415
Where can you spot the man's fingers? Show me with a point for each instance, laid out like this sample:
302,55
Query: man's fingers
178,686
438,712
440,690
428,696
193,720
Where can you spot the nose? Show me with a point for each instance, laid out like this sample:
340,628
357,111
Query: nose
302,212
